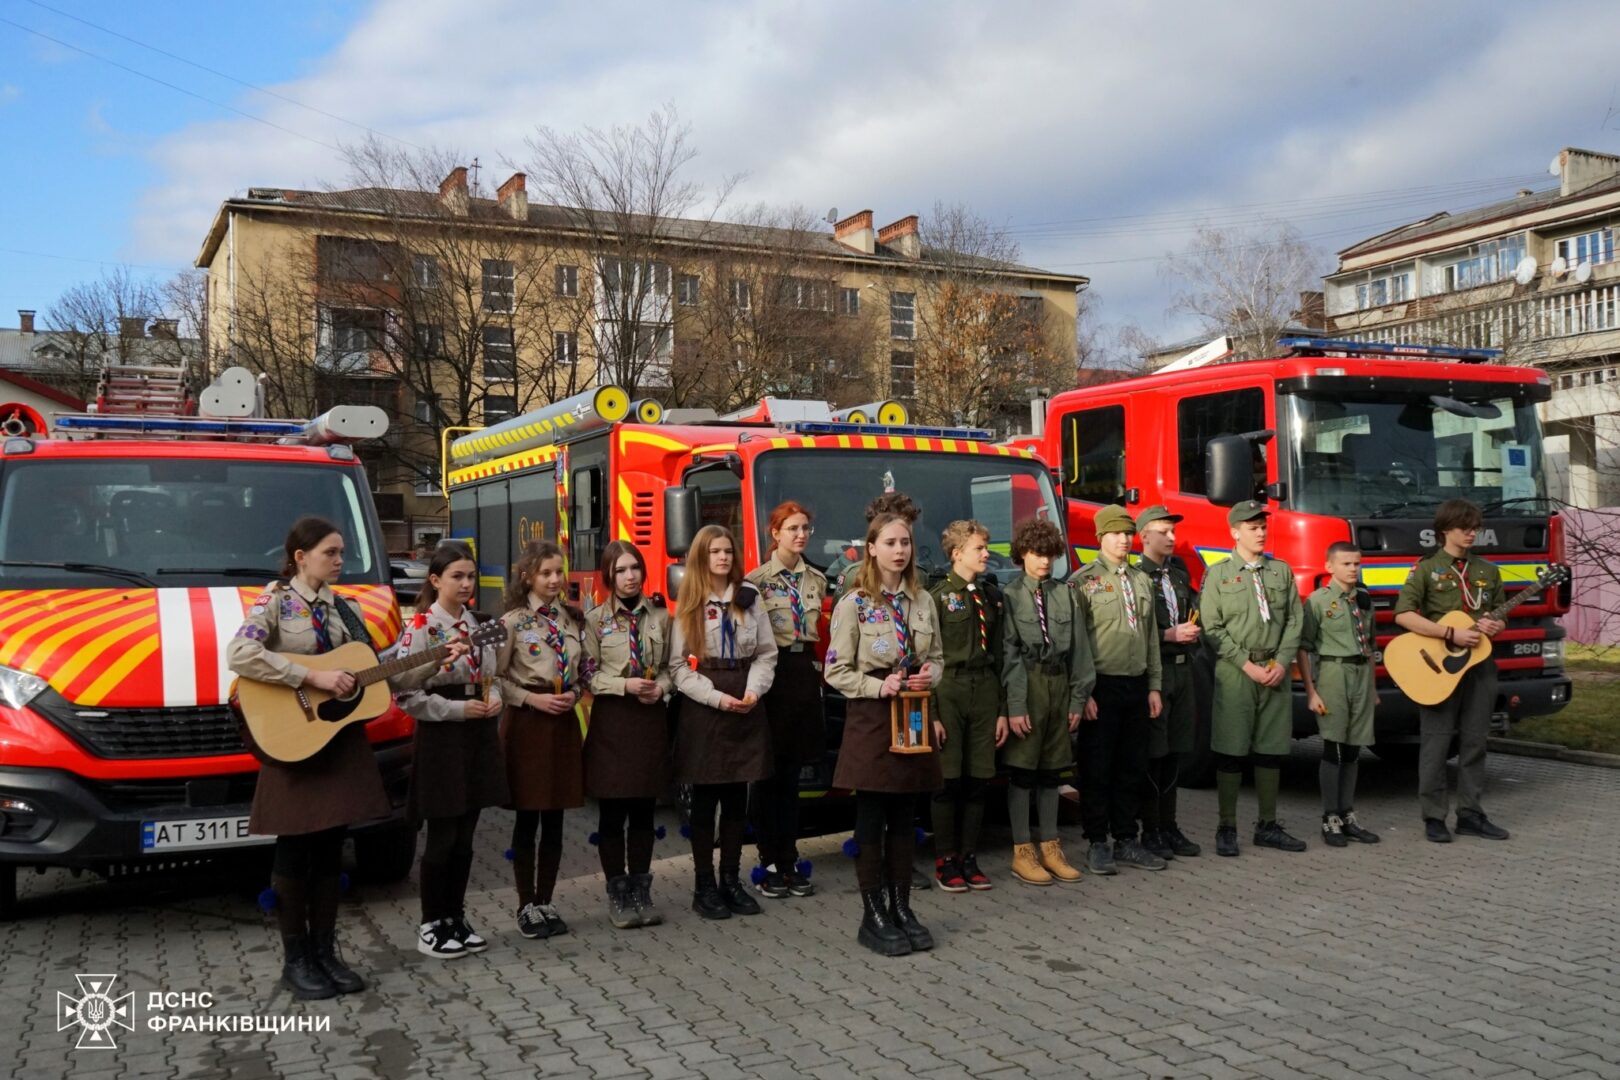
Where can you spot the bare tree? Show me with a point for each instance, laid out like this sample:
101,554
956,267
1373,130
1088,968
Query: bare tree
104,320
1244,283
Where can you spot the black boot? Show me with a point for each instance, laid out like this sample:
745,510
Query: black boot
300,972
706,898
901,915
323,905
877,932
735,896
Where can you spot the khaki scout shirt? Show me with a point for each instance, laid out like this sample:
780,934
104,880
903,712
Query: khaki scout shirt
1231,610
529,657
770,579
1070,645
861,639
1332,617
280,621
1436,586
431,628
1118,648
751,641
607,643
1170,571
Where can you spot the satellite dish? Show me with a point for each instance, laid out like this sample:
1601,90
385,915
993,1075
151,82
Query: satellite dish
1583,272
1525,272
1559,267
832,216
1556,168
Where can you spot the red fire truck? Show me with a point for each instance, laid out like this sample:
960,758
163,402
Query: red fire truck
1360,445
599,467
131,542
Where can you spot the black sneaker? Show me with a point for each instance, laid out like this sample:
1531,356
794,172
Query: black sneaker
554,922
1271,834
1435,831
1155,842
1352,828
1100,859
948,874
1183,847
1226,840
1132,853
1480,825
438,939
773,885
977,879
1333,831
531,923
470,938
797,883
736,898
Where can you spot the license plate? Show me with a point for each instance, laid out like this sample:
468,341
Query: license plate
198,833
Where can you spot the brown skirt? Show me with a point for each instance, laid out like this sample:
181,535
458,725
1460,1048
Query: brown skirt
544,767
458,768
864,760
627,748
798,725
340,785
714,747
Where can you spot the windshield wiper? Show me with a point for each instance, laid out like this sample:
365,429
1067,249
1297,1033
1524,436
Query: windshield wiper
1501,503
222,571
1390,509
84,568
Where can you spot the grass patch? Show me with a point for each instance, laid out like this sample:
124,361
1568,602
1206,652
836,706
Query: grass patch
1591,657
1591,721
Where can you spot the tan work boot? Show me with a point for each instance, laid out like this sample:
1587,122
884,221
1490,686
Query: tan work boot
1026,867
1058,866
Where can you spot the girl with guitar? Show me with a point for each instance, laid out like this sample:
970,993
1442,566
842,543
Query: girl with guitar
459,769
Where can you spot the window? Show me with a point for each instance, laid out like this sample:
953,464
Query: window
1593,247
500,361
498,285
567,281
903,315
686,290
348,337
903,375
1485,263
427,480
565,348
430,340
742,295
1200,419
804,293
849,302
659,274
498,407
425,409
719,497
623,280
587,518
1394,289
344,258
425,271
1094,454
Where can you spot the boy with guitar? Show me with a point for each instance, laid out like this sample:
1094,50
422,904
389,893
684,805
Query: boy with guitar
1453,579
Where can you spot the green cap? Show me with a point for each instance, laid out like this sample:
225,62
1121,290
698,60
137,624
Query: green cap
1155,513
1246,511
1113,519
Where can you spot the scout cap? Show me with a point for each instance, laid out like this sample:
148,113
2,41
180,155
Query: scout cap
1114,519
1247,510
1156,513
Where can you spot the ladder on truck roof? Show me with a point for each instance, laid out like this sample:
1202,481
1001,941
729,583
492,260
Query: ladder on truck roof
145,390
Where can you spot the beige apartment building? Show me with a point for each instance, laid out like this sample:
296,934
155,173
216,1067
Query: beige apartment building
452,310
1534,275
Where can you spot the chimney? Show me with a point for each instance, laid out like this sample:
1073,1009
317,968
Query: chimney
514,197
132,326
167,329
1580,169
26,319
453,191
856,232
902,236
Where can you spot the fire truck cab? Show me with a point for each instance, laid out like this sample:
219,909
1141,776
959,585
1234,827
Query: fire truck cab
131,543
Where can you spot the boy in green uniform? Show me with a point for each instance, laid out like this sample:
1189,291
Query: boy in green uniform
1252,615
1116,600
1339,632
970,701
1453,579
1170,734
1048,672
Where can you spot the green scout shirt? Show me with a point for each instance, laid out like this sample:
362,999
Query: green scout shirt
1173,572
964,641
1439,584
1332,617
1069,645
1232,617
1117,647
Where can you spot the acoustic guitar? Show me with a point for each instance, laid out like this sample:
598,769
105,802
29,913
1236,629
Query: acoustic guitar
1427,669
291,724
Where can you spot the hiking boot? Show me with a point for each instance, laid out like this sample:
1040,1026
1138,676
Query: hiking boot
1052,858
1226,840
1352,828
736,898
1132,853
1026,866
1271,834
948,874
1179,844
1435,831
1100,859
1333,831
878,932
977,879
1479,825
641,894
622,903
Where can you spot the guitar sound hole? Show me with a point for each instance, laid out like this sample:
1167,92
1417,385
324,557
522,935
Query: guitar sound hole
338,708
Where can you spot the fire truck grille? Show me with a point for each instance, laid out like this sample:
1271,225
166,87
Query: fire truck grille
203,731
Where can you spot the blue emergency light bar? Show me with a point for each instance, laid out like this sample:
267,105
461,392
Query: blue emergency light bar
837,427
1307,346
180,425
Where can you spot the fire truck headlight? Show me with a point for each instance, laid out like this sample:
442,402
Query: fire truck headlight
1552,654
18,688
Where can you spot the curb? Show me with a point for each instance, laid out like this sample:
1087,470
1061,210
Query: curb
1524,748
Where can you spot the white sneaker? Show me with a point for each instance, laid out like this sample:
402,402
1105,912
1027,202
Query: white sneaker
438,939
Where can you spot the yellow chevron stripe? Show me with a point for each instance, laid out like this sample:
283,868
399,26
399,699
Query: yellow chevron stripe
91,652
46,621
75,627
116,674
647,438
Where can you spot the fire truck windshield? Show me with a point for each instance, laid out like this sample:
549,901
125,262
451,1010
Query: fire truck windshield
837,484
170,522
1384,453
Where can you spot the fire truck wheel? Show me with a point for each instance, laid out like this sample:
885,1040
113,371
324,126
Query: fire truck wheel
8,892
385,855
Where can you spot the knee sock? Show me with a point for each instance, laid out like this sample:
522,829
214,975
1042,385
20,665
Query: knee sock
1046,811
1226,795
1267,779
1018,812
1347,779
972,817
1328,776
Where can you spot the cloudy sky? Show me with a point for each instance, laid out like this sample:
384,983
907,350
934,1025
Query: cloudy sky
1098,135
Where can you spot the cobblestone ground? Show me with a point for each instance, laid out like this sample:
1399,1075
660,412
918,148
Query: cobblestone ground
1406,959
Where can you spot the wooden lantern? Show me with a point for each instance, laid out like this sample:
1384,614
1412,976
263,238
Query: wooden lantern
911,723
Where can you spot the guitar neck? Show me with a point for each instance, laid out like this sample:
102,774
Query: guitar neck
401,664
1500,611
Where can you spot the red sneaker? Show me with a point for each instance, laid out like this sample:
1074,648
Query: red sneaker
948,874
975,877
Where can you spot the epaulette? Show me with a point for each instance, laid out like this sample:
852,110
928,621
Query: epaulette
657,600
744,597
1364,599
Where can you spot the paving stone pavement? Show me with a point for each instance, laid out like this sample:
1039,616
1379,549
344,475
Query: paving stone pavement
1405,959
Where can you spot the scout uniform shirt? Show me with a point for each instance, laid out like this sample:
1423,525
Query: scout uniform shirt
628,643
286,618
871,634
1251,612
545,642
1338,624
726,636
1061,645
1117,603
468,676
1171,586
970,618
1440,584
792,600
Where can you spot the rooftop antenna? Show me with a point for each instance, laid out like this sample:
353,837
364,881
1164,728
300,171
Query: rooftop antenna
473,168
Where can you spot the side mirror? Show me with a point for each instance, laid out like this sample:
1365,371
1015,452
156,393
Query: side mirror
680,521
1228,470
673,576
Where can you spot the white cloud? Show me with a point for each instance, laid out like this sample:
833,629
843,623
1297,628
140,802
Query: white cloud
8,94
1032,113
